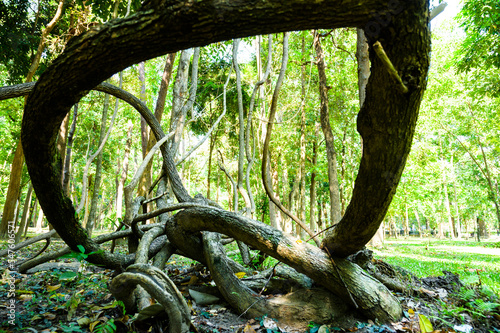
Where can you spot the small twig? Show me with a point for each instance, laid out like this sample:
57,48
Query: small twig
155,198
379,51
243,313
269,279
320,232
151,188
341,278
178,206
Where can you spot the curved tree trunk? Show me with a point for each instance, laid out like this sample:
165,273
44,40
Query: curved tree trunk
386,123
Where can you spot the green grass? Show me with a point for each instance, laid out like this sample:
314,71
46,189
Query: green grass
476,263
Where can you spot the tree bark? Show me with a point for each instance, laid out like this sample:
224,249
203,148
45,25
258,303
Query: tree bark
363,59
94,202
331,154
372,298
9,208
69,146
24,217
386,123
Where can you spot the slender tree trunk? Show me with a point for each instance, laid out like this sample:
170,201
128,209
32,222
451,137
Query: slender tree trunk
142,97
328,133
26,212
285,219
407,221
302,138
312,190
213,138
455,204
446,201
123,177
394,228
62,139
417,217
241,118
93,214
39,221
9,208
69,146
319,220
273,219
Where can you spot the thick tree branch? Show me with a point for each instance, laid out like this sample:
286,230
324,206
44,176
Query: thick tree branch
305,258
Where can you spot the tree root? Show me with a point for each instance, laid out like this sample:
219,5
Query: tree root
374,299
304,305
141,281
159,286
29,241
127,260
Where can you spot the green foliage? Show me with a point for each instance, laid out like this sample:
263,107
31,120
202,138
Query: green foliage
481,46
72,327
106,327
21,37
80,255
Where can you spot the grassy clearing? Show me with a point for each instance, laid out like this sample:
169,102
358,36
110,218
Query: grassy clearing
476,263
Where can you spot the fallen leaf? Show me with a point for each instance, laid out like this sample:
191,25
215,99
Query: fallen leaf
269,323
49,316
248,329
83,322
425,324
240,275
202,298
25,298
323,329
93,325
428,292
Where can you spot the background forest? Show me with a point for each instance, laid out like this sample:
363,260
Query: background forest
450,184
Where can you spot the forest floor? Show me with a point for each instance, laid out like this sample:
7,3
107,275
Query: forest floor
77,299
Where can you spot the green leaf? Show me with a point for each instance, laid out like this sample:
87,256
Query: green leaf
81,248
67,275
425,324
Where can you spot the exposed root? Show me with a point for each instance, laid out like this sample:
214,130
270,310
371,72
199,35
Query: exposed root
160,287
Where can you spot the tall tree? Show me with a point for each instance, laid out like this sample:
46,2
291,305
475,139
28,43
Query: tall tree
9,209
94,202
335,208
